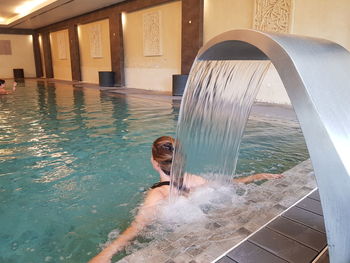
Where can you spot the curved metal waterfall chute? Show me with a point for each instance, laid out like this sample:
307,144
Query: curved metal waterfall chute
316,75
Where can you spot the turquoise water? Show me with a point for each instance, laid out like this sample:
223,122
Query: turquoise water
75,164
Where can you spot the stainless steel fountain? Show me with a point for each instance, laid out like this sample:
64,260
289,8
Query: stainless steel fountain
316,75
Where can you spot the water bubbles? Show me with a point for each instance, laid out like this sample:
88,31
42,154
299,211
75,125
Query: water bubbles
114,234
111,236
200,203
48,259
94,210
14,246
182,211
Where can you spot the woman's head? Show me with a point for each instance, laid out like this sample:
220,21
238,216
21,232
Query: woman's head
2,83
162,152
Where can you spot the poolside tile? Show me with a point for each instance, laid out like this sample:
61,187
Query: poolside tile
305,217
163,245
195,250
212,226
279,207
182,258
187,242
305,235
223,234
222,222
227,244
172,251
226,260
248,252
151,255
205,258
282,246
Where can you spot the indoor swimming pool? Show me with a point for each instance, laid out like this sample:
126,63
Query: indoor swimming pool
75,163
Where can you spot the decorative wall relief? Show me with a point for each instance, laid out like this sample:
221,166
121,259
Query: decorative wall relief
5,47
95,41
61,45
152,39
273,15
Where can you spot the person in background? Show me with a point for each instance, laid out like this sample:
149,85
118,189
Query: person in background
162,157
3,85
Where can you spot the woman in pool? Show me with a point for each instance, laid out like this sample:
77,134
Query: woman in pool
162,156
2,87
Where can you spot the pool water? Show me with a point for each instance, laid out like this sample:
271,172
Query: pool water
75,165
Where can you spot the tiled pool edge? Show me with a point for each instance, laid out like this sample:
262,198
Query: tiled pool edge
263,226
296,235
230,226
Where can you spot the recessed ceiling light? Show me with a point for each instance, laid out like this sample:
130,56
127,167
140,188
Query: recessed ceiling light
28,6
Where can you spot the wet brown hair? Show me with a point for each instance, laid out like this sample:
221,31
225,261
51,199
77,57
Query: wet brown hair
162,152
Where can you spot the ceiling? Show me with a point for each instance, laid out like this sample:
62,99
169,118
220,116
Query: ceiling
41,13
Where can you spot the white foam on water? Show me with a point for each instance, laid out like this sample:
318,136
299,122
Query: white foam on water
48,259
187,212
114,234
197,207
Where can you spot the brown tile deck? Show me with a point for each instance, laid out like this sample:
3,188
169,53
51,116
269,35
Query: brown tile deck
298,235
248,252
306,217
323,258
298,232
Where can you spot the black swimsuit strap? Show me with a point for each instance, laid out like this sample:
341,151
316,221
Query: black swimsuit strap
159,184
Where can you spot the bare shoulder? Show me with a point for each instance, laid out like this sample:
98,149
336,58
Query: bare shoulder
154,196
193,181
149,209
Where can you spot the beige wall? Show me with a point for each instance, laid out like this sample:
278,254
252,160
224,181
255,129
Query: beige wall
327,19
153,73
225,15
61,64
317,18
22,56
90,66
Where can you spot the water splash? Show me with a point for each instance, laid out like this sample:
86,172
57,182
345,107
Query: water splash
213,114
